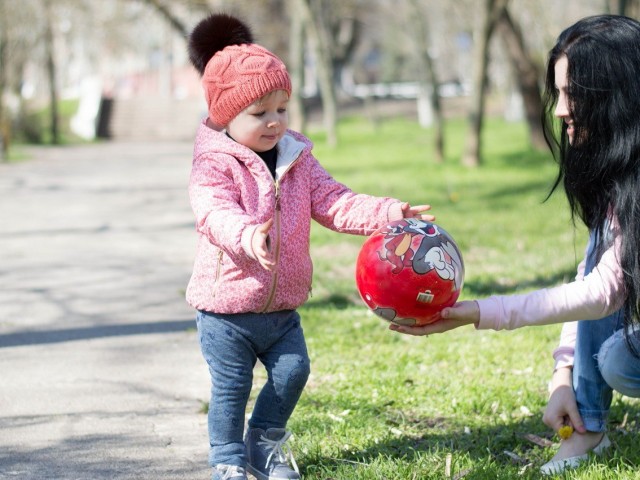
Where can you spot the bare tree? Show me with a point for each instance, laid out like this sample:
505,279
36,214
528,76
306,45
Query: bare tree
4,47
49,40
165,11
344,30
527,75
427,76
317,32
630,8
297,117
490,14
18,36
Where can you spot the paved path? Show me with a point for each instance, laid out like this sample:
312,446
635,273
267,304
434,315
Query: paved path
100,370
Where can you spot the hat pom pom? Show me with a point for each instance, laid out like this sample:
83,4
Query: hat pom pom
213,34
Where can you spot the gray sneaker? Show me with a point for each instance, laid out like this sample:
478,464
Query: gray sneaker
268,456
228,472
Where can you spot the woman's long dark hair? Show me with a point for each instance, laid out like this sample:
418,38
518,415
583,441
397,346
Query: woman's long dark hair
600,172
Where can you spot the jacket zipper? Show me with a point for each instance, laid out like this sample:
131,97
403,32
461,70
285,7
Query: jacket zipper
276,246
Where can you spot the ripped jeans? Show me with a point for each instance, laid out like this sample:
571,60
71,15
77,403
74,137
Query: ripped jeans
231,345
603,362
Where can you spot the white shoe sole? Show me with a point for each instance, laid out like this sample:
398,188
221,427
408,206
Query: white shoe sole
558,466
261,476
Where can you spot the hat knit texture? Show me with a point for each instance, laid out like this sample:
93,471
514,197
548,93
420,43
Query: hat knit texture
239,75
235,71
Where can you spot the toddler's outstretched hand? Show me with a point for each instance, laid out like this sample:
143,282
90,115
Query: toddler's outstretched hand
462,313
415,212
260,245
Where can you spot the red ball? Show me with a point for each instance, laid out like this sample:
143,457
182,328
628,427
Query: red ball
408,271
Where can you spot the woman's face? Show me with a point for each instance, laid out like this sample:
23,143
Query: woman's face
562,85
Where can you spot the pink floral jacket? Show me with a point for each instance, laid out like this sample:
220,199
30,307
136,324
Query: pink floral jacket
232,192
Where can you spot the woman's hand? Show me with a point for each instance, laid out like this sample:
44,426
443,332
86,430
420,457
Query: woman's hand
462,313
562,408
416,212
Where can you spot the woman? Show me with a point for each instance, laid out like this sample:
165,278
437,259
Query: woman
593,88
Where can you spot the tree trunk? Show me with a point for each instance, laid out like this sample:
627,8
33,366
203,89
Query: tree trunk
526,73
4,122
324,69
165,11
428,79
472,153
343,37
51,72
177,24
629,8
297,116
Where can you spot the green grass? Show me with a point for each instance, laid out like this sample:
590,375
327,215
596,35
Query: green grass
35,127
379,405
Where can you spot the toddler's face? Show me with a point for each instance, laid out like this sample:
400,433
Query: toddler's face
263,123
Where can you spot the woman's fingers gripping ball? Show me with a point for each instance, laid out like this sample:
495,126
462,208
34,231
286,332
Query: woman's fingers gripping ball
462,313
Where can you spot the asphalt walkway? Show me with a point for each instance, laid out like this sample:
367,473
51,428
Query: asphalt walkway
100,370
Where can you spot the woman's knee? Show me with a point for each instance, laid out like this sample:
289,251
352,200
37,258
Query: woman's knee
619,367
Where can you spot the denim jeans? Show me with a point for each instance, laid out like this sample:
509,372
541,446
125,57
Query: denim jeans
231,344
619,367
602,362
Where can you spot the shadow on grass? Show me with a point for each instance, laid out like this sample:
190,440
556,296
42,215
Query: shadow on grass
472,289
513,449
496,451
529,158
335,300
481,288
497,196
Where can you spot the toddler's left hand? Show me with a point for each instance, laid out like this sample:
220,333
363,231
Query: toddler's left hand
260,245
415,212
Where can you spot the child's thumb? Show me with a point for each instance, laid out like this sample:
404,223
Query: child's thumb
264,228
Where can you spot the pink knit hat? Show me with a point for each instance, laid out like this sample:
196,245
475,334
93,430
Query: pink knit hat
235,71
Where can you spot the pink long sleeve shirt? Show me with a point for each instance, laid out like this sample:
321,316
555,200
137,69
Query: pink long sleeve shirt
588,297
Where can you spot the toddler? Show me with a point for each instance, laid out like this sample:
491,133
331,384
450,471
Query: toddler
254,188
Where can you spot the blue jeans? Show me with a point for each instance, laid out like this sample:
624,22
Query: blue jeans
619,368
602,362
231,344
